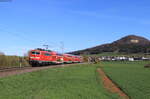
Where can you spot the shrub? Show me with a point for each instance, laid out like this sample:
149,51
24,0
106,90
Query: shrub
12,61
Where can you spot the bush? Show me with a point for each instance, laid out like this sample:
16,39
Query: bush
12,61
147,66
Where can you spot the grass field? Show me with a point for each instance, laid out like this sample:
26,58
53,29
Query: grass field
76,82
132,77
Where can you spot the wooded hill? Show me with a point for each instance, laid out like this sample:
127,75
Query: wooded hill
127,44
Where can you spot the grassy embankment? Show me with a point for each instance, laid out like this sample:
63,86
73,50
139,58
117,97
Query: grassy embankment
132,77
75,82
12,61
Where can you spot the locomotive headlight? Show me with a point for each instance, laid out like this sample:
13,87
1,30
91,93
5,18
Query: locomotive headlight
62,59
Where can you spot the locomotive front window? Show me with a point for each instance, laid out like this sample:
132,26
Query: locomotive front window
36,53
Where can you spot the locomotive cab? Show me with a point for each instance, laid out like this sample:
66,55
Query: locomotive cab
34,57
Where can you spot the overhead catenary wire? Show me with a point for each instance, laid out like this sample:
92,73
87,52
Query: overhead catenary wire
18,35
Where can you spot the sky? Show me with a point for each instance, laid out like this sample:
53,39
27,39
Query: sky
76,24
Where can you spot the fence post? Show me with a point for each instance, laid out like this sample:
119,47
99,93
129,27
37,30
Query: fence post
20,62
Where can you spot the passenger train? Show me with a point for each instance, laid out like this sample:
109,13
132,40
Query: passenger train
39,57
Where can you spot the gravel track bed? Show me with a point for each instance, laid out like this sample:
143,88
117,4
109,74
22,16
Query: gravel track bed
5,73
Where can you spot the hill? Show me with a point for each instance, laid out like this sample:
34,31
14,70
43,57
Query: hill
128,44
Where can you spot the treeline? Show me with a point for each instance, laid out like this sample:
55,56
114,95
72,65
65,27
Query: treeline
13,61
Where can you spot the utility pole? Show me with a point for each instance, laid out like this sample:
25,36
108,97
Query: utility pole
62,46
20,61
46,46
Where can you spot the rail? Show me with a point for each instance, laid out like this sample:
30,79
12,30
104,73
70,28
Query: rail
3,69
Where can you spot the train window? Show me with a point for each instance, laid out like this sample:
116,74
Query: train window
47,54
36,53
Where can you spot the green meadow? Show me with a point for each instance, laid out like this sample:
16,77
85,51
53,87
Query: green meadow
131,77
75,82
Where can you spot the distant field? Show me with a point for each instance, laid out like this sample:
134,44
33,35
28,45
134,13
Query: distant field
132,77
76,82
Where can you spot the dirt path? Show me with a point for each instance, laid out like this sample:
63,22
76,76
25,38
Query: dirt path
110,86
30,69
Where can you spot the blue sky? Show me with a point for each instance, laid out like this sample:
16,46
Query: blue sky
80,24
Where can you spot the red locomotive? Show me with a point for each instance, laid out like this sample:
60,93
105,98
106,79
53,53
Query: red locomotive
47,57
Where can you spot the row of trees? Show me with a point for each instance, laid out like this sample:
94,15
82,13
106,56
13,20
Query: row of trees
12,61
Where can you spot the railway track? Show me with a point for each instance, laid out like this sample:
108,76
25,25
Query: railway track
4,72
13,68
